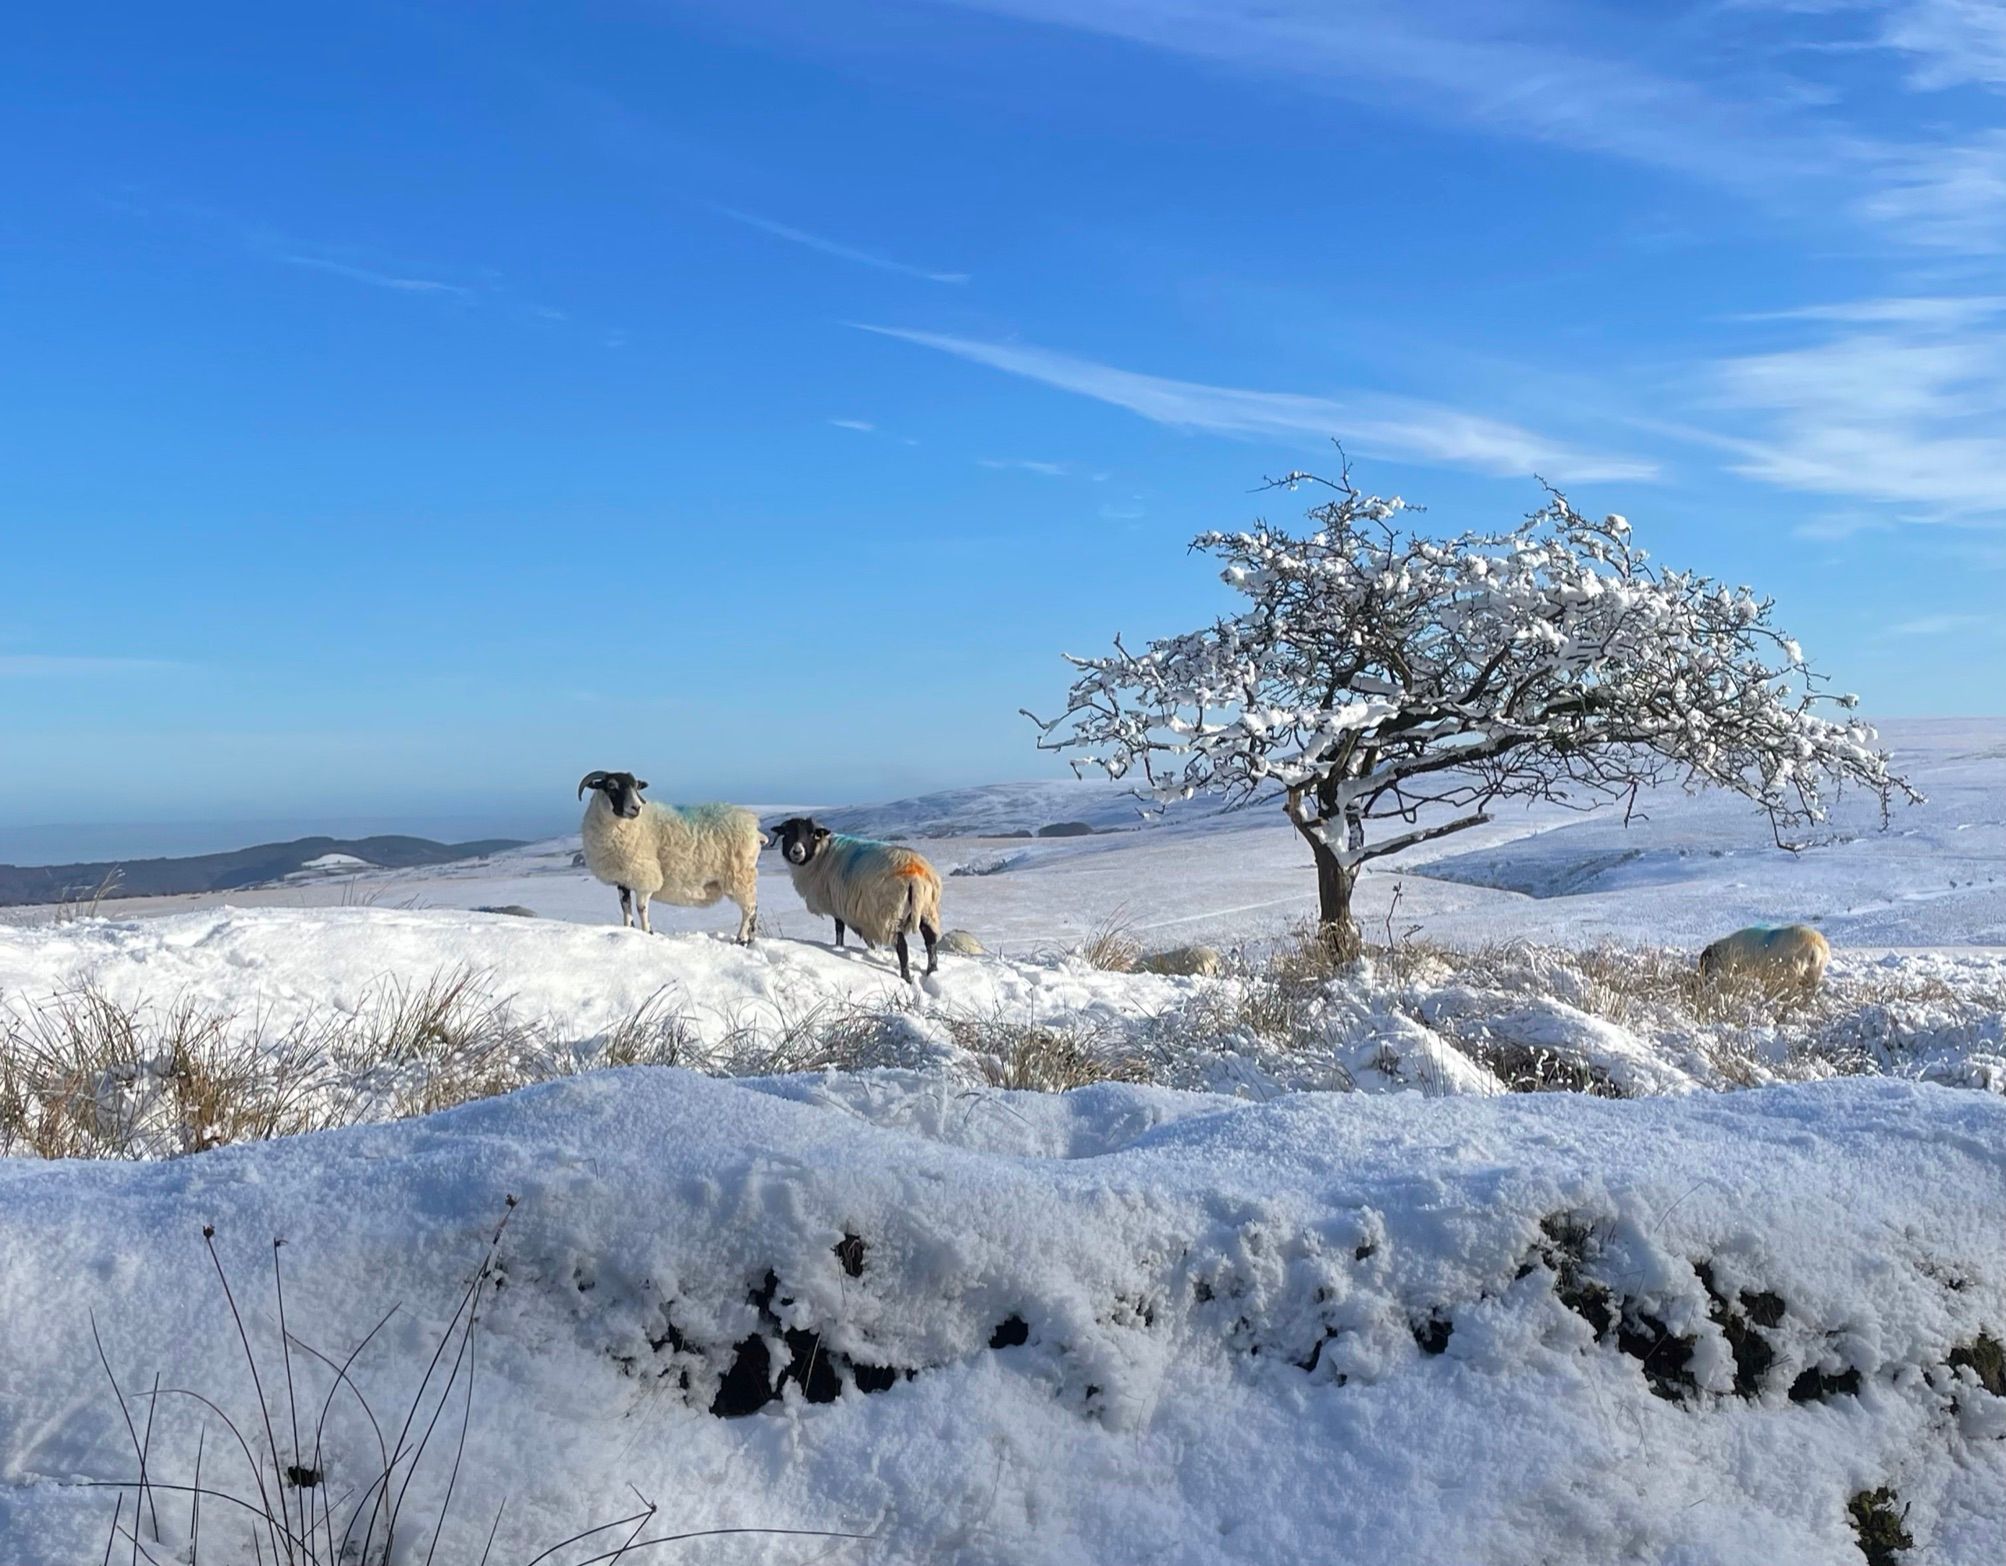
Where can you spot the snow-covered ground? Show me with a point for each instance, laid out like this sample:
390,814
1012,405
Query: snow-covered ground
1118,1325
1209,1315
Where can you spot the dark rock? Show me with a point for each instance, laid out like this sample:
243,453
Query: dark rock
1814,1386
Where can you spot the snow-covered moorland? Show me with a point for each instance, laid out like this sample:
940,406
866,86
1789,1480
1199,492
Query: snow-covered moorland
1728,1288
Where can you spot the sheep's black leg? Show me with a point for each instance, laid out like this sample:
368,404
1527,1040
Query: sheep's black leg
931,936
839,932
905,970
626,907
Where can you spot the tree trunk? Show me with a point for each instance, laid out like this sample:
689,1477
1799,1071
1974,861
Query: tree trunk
1334,882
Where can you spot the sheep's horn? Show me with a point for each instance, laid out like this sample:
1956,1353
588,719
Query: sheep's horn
590,780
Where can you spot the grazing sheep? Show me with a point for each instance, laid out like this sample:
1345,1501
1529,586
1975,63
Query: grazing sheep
690,857
1195,962
962,943
876,889
1775,956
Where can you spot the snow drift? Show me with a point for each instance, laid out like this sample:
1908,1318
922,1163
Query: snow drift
1117,1325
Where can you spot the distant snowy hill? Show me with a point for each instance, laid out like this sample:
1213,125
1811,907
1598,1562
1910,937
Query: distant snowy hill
243,867
1026,809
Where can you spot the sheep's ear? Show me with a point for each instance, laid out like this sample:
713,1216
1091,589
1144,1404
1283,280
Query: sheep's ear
822,834
643,783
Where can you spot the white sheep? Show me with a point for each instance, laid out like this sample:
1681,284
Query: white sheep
1776,956
691,857
1199,962
879,890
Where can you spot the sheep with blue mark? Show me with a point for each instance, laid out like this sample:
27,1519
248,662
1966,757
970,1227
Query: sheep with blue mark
880,890
1777,957
690,856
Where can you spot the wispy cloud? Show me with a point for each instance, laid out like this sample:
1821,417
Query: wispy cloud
1907,408
1024,465
1612,81
1369,423
1910,311
1950,43
1836,527
1537,82
362,264
1934,625
28,666
863,426
1950,196
390,280
841,251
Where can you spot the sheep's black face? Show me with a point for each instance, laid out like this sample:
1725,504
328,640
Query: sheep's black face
800,839
622,791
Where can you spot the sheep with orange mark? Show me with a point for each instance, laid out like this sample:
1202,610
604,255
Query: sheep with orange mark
1777,957
879,890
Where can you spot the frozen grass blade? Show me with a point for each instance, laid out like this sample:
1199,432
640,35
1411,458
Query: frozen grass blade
137,1450
716,1533
460,1448
343,1379
584,1534
146,1452
292,1399
493,1529
418,1397
195,1502
257,1383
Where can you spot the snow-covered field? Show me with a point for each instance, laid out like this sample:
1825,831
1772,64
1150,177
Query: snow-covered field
1686,871
1206,1314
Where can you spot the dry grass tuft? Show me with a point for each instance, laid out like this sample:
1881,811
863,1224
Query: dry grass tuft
1110,946
431,1045
1309,954
1045,1057
654,1033
84,1076
83,902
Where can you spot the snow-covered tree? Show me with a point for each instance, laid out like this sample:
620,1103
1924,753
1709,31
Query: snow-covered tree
1391,688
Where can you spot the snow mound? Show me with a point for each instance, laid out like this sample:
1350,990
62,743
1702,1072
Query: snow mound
572,981
1118,1325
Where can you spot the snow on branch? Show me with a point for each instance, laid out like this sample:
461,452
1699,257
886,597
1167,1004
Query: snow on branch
1373,673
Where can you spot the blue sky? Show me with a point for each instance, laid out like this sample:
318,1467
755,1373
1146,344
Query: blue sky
407,408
